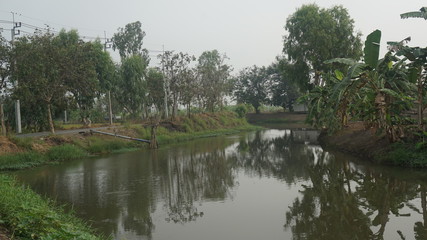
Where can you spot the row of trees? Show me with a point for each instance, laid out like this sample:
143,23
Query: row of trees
270,85
51,73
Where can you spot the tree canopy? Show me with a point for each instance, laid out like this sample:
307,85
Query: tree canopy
316,35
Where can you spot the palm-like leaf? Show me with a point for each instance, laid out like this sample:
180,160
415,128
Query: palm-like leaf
422,13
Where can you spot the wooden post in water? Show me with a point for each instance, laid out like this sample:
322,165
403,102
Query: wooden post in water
153,141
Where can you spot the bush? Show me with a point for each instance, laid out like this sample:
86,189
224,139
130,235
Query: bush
241,110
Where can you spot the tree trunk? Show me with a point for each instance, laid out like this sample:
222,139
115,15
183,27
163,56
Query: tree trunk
110,109
49,115
174,106
420,104
153,140
3,126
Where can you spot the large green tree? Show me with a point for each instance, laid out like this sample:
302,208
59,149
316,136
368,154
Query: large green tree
315,35
131,89
251,87
78,71
38,69
52,70
214,79
283,90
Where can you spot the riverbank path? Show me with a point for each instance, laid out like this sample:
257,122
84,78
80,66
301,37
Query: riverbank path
62,132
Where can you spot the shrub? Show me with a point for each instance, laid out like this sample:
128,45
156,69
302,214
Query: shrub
241,110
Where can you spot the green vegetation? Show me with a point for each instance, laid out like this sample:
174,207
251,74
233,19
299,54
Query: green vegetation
33,158
29,216
381,93
96,145
184,128
406,155
61,74
21,160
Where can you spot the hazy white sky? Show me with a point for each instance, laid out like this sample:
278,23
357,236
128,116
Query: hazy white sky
250,32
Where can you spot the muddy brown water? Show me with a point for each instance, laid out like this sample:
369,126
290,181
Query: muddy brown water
271,184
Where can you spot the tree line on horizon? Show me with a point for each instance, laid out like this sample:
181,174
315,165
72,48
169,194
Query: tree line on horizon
51,73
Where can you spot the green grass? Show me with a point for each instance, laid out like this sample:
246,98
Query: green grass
96,145
30,159
29,216
65,152
22,160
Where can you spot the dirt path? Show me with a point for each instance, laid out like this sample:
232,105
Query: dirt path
62,132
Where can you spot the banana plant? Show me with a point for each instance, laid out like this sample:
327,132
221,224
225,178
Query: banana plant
370,89
417,69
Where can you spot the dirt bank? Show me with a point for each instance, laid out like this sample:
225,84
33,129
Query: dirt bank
356,140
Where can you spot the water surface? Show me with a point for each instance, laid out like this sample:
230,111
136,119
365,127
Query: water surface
273,184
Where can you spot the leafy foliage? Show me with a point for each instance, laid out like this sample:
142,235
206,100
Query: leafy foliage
129,40
316,35
251,86
214,79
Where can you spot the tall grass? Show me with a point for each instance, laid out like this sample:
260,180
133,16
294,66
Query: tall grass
21,160
103,145
65,152
29,216
32,159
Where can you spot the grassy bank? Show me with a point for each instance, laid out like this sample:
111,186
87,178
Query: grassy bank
33,152
26,215
29,216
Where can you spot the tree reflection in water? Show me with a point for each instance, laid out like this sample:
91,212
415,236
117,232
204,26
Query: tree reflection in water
340,200
193,177
337,198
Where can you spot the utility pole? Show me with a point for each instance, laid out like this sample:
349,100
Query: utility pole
107,44
17,104
164,83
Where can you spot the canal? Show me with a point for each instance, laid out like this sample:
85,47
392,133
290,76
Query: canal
270,184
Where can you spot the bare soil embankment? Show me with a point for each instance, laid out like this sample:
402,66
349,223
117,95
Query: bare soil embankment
356,140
